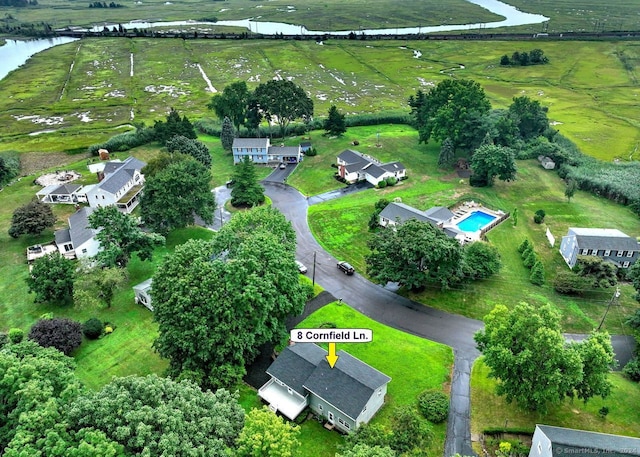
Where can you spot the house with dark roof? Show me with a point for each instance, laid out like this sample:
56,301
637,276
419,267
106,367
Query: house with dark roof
397,213
260,150
354,166
346,396
78,241
549,441
59,193
121,185
611,245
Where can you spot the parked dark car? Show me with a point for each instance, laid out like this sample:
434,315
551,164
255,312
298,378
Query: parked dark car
230,183
346,268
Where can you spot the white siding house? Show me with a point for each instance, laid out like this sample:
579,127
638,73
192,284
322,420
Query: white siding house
78,241
354,166
121,185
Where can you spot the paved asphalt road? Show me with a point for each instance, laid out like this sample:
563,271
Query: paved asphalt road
398,312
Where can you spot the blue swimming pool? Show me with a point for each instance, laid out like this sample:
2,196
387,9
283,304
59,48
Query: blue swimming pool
475,221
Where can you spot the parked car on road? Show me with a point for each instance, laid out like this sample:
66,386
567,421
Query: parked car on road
283,166
346,268
301,268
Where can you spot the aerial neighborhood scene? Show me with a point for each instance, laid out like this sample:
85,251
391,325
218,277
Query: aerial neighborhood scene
319,229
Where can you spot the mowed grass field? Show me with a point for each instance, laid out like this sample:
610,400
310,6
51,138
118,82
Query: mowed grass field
341,225
87,90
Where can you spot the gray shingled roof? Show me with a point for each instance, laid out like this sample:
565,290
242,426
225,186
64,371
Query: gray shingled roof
284,150
250,143
588,442
374,170
607,239
399,211
65,189
62,236
295,364
347,386
116,181
439,213
351,156
79,226
393,166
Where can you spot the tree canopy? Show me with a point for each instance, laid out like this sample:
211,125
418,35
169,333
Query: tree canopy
481,260
491,161
31,219
526,351
530,118
192,147
52,279
233,103
266,434
120,237
227,134
283,101
246,191
175,195
334,123
217,302
59,332
415,254
174,125
453,109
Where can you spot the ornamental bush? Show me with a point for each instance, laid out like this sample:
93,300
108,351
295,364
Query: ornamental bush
391,181
538,218
434,405
382,184
16,335
61,333
92,328
632,369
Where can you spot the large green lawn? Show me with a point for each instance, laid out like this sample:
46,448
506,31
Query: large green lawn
590,88
491,411
341,226
414,364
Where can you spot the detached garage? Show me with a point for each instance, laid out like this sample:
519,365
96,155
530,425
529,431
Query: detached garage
143,293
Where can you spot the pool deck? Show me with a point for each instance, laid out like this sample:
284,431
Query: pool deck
466,209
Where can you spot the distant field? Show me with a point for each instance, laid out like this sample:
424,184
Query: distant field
84,90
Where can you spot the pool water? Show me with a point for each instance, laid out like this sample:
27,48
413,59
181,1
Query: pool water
475,221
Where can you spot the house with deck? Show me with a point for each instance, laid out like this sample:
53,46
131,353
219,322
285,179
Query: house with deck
354,166
439,216
549,441
260,151
345,396
120,184
60,193
611,245
78,241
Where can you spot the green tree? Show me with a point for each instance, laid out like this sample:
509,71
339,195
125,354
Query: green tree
174,125
267,435
120,237
174,196
194,148
415,254
409,430
246,192
96,286
569,283
217,302
599,272
157,416
227,134
283,101
52,279
31,219
447,154
160,162
529,116
334,123
570,189
365,450
232,103
61,333
527,353
598,359
524,246
374,221
490,161
481,260
453,109
634,276
537,273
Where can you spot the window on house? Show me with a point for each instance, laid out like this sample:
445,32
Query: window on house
539,448
340,420
607,253
379,392
620,253
585,252
320,407
347,426
84,251
289,390
629,253
594,252
96,197
103,197
625,265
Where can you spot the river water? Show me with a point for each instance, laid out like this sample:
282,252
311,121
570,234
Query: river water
16,52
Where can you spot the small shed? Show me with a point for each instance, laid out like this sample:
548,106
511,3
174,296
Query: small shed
547,163
143,293
305,146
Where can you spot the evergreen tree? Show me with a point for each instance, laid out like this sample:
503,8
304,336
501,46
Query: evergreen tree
537,274
246,191
570,189
227,134
447,156
334,124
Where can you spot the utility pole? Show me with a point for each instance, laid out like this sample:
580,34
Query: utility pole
615,297
313,276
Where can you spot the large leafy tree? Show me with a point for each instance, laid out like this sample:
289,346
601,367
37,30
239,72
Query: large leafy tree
415,254
52,279
160,162
174,125
157,416
366,450
491,161
174,196
31,219
267,435
283,101
634,276
96,286
232,103
599,272
527,353
530,118
61,333
217,302
195,148
334,123
246,192
453,109
481,260
120,237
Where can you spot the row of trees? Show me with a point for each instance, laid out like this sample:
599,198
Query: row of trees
524,58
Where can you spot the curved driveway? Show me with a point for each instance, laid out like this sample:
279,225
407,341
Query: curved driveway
395,311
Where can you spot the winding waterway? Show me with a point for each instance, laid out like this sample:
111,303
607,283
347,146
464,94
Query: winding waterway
16,52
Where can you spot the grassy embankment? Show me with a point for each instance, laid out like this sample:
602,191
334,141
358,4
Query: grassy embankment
490,411
589,87
341,225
